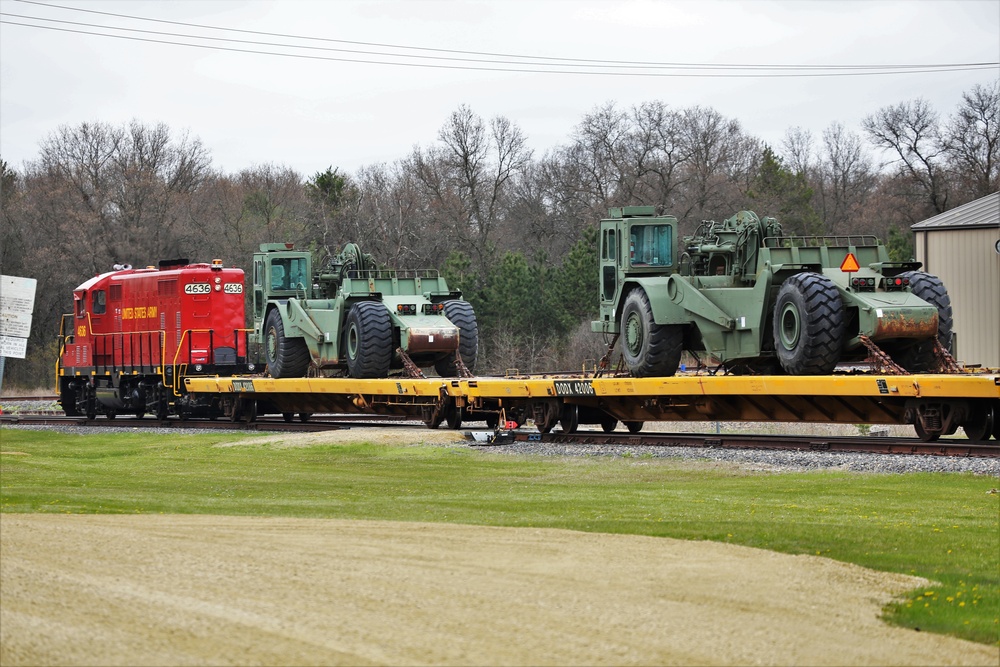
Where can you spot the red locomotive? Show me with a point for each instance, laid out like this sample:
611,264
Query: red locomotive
134,334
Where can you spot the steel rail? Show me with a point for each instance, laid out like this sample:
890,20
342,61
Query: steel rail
867,445
839,444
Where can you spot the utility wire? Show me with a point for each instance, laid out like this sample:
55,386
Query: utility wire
481,53
635,68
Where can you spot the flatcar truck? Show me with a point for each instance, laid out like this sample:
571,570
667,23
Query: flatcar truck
759,301
356,318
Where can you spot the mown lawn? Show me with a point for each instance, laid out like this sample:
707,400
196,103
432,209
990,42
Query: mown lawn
945,527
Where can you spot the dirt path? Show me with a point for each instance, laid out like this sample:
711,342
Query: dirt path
178,590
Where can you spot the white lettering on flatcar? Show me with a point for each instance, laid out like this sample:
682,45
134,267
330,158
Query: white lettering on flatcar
197,288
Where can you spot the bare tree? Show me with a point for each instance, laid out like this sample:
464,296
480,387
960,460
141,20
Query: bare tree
972,140
798,151
910,130
846,178
468,178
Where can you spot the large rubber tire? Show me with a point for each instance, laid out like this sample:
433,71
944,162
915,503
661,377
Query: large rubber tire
649,349
286,357
808,325
461,314
918,357
368,340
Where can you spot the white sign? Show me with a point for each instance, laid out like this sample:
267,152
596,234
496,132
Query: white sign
16,348
15,324
17,295
17,301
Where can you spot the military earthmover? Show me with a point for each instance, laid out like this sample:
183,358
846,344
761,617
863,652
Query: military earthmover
758,301
352,316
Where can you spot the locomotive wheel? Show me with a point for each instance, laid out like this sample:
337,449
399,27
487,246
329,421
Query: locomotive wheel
570,418
649,349
634,427
368,339
462,316
162,405
918,357
808,325
286,357
67,398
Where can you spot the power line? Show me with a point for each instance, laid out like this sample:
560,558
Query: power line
635,68
562,61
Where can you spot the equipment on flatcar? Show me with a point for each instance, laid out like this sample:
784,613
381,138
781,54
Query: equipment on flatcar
755,300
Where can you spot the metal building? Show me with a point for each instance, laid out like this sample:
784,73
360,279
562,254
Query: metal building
962,248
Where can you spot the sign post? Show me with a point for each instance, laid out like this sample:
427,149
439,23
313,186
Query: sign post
17,301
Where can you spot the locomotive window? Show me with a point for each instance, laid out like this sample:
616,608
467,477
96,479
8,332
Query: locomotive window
81,305
99,301
650,245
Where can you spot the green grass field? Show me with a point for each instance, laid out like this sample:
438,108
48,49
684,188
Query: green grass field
945,527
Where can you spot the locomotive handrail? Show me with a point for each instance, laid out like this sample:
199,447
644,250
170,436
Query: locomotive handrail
179,368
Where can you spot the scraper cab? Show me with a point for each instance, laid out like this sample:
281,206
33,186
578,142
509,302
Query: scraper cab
352,317
748,296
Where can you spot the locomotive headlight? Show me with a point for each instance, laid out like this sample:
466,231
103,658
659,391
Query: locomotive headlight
198,367
218,280
251,367
218,288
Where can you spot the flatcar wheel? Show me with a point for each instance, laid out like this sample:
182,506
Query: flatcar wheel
979,428
139,414
547,415
110,414
304,416
924,434
608,423
492,419
288,416
570,418
634,427
433,416
453,417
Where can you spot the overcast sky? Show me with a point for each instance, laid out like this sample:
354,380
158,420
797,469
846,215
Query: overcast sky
250,108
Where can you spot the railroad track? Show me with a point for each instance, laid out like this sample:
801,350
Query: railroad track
314,423
867,445
870,445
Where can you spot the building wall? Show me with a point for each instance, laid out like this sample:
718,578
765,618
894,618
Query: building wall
967,262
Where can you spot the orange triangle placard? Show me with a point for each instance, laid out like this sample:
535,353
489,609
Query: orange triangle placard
850,263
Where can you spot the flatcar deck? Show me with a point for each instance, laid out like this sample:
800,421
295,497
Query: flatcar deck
938,402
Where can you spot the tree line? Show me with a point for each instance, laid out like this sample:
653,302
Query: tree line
515,231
